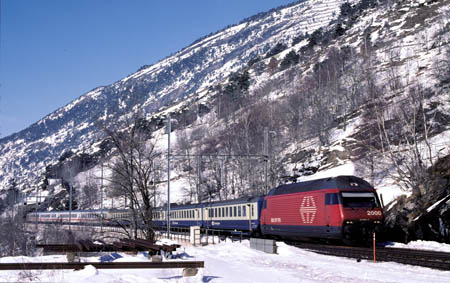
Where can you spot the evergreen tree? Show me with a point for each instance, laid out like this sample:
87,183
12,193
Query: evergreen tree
276,49
291,58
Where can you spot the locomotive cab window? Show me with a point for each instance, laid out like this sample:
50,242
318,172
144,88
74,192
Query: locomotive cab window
331,199
359,199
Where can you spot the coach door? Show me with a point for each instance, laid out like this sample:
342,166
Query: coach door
248,207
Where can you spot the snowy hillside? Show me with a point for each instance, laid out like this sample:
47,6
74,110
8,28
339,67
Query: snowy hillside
187,73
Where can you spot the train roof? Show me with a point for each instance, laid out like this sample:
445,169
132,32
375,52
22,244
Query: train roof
340,182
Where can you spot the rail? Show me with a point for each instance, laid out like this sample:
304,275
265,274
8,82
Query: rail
430,259
100,265
118,246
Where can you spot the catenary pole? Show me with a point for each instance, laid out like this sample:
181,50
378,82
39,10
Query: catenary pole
70,200
168,176
101,205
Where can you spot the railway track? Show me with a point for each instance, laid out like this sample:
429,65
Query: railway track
430,259
100,265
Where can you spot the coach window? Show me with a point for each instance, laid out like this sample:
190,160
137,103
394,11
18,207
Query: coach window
223,211
244,209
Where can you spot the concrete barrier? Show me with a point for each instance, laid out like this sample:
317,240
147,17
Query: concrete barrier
265,245
195,235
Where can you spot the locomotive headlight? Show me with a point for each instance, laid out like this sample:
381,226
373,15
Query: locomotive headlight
377,222
349,222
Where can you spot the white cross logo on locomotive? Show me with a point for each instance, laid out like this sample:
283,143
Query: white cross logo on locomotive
308,210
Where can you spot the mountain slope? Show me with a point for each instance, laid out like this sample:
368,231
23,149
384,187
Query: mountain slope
186,73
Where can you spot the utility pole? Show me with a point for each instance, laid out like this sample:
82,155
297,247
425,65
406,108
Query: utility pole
101,204
266,159
197,183
222,176
36,208
168,176
70,199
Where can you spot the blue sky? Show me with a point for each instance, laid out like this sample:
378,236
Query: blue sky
53,51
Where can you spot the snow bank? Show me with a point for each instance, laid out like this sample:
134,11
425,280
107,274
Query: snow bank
236,262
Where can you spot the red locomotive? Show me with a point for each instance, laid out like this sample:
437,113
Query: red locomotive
343,208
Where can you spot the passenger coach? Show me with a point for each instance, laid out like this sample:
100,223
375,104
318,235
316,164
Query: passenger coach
241,214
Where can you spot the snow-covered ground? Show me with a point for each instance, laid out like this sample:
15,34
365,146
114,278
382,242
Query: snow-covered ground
236,262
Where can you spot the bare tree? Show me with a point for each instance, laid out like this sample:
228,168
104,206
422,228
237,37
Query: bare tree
133,170
14,238
441,68
405,141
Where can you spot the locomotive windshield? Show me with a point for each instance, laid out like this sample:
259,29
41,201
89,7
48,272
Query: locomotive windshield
359,199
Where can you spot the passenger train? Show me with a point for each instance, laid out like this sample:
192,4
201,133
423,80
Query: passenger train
343,208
